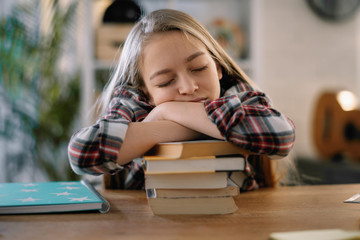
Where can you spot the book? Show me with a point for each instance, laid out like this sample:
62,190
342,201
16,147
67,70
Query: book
236,179
321,234
353,199
227,191
49,197
186,180
192,206
192,202
194,164
200,148
192,177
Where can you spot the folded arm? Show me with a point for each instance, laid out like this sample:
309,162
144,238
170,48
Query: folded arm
243,116
142,136
110,144
191,115
120,136
247,118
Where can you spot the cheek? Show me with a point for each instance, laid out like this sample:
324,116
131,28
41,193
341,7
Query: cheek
157,96
215,89
161,96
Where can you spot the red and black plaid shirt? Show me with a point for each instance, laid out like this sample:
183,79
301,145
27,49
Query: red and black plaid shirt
243,115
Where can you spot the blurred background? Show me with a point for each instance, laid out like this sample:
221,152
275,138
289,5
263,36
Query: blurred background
56,56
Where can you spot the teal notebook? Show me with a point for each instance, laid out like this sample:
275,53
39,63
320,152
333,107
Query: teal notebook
46,197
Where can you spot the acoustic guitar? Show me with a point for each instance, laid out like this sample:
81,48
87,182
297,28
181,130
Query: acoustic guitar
336,130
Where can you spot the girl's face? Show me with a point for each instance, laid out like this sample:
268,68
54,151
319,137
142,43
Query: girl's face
177,68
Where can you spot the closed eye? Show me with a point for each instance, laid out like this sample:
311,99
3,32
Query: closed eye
200,69
166,83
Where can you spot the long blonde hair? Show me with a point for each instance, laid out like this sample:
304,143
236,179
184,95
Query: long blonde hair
127,71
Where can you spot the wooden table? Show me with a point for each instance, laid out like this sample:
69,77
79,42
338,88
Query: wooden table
260,213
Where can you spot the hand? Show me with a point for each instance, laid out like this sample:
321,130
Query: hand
157,114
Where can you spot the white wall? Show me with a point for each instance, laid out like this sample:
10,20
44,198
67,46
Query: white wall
297,55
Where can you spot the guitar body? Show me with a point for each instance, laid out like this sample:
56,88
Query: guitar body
335,130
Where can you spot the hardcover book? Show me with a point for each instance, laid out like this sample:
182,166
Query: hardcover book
47,197
192,206
188,149
200,201
186,180
195,164
228,191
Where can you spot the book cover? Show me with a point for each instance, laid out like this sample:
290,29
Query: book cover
183,165
46,197
197,148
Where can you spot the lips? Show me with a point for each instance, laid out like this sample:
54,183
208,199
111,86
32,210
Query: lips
198,100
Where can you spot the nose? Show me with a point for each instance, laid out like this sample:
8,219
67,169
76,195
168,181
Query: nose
187,85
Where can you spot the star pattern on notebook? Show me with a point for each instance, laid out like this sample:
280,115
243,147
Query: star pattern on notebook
29,199
62,194
29,190
70,188
68,183
80,199
29,185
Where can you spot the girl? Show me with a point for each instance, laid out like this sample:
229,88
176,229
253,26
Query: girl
174,82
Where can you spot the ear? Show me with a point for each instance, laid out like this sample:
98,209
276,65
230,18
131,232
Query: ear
219,71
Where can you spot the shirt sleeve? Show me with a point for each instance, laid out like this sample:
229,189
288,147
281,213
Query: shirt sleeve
94,149
246,118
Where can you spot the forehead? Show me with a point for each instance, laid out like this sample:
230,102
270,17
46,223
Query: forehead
172,42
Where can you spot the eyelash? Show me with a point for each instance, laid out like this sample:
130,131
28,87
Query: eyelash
166,84
200,69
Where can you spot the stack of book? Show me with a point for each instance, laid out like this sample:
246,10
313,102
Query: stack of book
193,177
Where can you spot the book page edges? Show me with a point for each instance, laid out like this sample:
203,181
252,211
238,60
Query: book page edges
229,191
192,206
162,158
196,148
105,207
172,173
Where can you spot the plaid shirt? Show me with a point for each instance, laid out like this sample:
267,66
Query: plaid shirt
243,115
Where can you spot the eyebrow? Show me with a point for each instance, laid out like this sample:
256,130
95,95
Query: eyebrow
166,70
193,56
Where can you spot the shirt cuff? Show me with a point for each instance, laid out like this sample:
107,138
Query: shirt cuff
112,133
